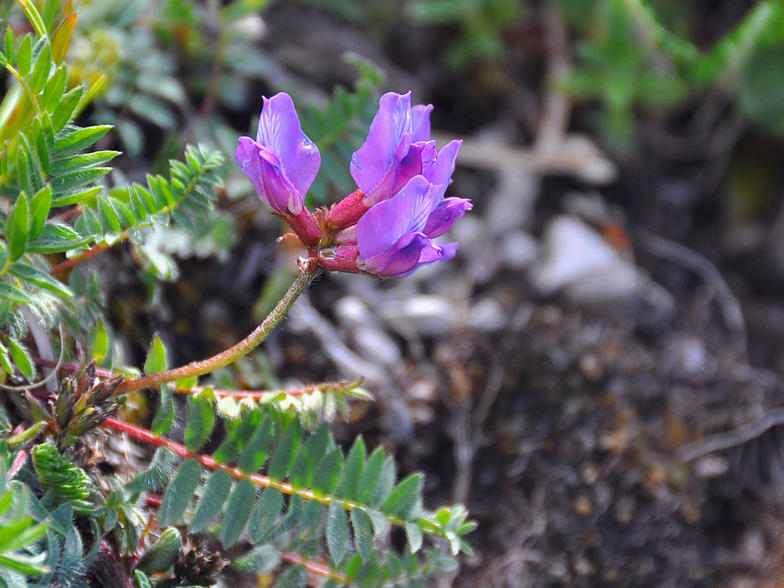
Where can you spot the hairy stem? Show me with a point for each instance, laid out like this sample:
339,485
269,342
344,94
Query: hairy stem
315,567
219,392
69,263
308,271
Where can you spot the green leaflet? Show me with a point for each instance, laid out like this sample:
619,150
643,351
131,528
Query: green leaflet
216,491
239,438
156,361
402,501
337,533
294,577
255,454
311,517
363,533
164,417
261,560
201,419
39,211
386,483
353,471
371,476
22,359
55,238
238,511
265,514
161,466
28,273
17,227
414,536
74,139
179,492
65,109
283,457
311,453
327,476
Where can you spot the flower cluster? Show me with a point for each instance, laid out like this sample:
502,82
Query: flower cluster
386,227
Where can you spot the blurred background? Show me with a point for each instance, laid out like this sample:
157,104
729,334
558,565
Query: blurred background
598,375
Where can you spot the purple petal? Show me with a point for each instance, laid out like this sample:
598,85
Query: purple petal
406,212
420,157
375,165
401,258
420,122
263,169
441,171
280,132
444,216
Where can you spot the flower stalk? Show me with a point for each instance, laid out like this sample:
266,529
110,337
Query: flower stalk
307,272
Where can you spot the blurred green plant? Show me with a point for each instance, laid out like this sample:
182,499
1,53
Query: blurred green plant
481,23
629,58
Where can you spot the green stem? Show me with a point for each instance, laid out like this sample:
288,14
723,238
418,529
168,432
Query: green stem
308,271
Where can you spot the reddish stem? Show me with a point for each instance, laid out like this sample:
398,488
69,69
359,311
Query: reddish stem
315,567
219,392
69,263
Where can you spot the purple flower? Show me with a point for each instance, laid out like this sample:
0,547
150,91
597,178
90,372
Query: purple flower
398,148
282,162
395,236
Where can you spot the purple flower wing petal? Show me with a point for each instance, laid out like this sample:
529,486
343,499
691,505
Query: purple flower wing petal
373,164
280,132
402,257
444,216
249,161
420,122
386,222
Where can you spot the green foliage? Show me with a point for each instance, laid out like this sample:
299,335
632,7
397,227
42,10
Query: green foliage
46,171
481,23
19,532
309,498
629,58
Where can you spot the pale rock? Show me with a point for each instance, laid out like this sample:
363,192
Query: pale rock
711,466
581,262
519,250
425,314
487,315
375,345
353,312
